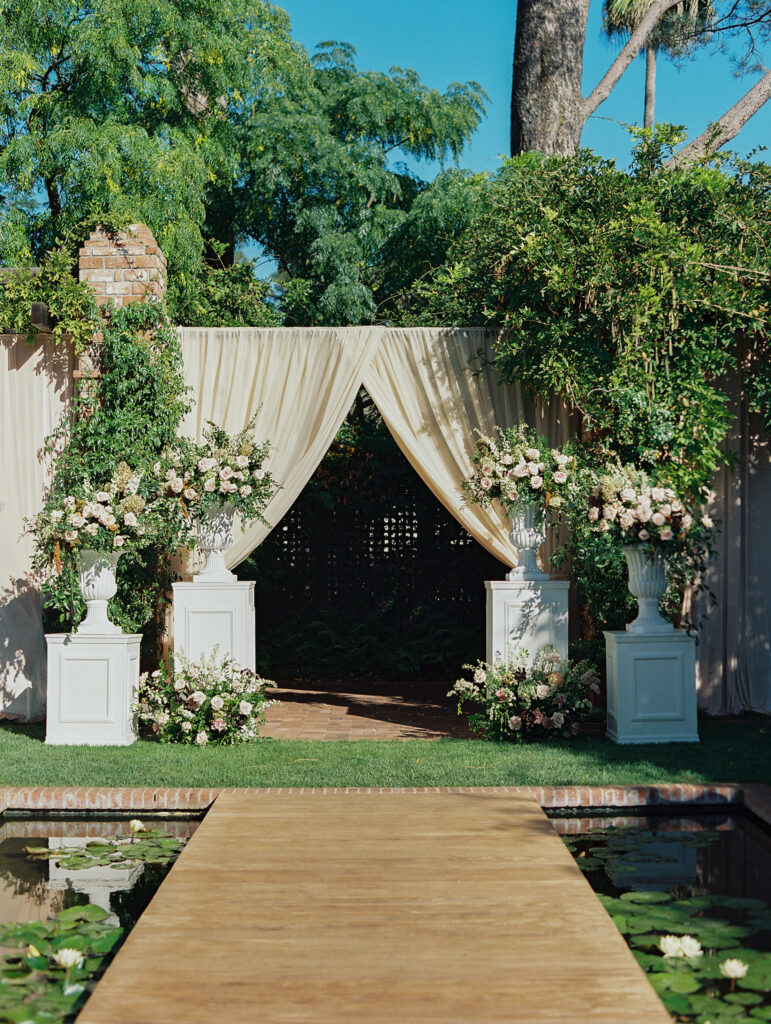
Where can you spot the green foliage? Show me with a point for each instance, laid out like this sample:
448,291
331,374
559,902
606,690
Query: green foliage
221,295
145,846
128,107
131,417
72,310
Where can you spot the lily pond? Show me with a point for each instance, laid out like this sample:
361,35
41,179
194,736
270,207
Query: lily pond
70,891
692,897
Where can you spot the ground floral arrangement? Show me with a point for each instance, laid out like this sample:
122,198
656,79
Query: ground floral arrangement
519,699
60,960
518,469
705,955
211,701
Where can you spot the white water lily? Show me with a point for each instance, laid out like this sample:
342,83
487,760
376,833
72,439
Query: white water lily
691,947
68,958
733,969
137,826
670,945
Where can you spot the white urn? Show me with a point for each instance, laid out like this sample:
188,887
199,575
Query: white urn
96,576
527,534
215,535
647,581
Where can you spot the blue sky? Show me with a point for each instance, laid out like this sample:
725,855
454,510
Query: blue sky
454,40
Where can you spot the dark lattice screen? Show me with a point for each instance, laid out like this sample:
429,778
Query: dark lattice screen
368,574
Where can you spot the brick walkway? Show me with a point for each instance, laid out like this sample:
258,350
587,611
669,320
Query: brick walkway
356,710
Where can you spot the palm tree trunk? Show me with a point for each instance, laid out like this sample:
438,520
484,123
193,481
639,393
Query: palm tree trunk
650,86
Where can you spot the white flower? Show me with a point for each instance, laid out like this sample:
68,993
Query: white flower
515,723
137,826
225,473
520,470
686,521
92,529
77,520
156,468
179,684
102,496
512,494
170,474
533,468
191,493
733,968
69,503
677,506
625,519
130,519
199,697
232,488
71,535
643,535
217,703
56,515
666,510
557,719
560,477
507,459
242,461
658,519
542,691
627,494
480,676
203,465
609,512
536,482
532,454
259,474
707,521
119,541
643,513
201,738
162,719
177,484
671,945
68,958
487,469
561,460
246,490
691,946
658,493
485,483
245,708
186,727
210,484
666,534
224,487
594,513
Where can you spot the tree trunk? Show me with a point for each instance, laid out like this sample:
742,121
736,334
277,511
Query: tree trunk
546,104
650,87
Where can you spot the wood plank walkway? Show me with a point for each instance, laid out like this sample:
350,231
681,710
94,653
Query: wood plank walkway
382,906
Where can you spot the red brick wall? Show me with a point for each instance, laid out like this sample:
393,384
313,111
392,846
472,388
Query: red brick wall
123,266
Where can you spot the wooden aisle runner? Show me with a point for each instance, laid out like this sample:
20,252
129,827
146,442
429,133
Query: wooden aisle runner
383,906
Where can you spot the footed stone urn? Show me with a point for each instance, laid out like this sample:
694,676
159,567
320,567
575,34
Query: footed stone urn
215,535
647,581
96,576
527,535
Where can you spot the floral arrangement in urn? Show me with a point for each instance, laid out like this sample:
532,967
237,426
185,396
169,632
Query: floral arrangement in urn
211,701
631,508
223,469
521,700
519,469
107,517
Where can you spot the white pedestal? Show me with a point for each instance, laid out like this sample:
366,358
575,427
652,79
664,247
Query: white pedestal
209,615
92,683
98,884
526,614
651,687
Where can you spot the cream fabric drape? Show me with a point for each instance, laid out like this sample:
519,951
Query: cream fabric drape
35,390
303,382
733,655
435,389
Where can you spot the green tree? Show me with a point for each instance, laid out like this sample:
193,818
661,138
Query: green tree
126,107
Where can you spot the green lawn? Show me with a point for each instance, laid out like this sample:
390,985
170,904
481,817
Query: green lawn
736,750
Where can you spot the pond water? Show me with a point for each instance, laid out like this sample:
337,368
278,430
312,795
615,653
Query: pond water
34,889
707,876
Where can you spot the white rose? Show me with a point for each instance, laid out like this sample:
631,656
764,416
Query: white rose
485,483
666,534
217,703
92,529
118,541
533,468
512,494
170,474
536,482
542,691
224,487
199,697
666,510
625,520
246,490
102,496
77,520
708,522
658,519
515,723
561,460
186,727
210,484
643,535
532,454
520,470
56,515
201,738
480,676
71,535
507,459
259,474
594,513
177,485
245,708
203,465
487,469
232,488
658,493
130,519
560,477
686,521
627,494
643,513
179,684
609,512
225,473
242,461
191,493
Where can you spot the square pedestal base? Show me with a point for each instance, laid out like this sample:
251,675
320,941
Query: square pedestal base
92,683
526,615
651,687
209,615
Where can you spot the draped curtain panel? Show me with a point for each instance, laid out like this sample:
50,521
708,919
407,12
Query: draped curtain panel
35,391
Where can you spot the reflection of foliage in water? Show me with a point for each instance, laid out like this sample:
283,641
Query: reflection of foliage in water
23,876
692,988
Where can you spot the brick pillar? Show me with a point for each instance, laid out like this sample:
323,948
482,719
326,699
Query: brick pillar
123,266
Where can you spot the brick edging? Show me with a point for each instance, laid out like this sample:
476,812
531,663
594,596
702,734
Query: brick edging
755,796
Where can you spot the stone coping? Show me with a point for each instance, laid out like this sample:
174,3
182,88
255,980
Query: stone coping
755,796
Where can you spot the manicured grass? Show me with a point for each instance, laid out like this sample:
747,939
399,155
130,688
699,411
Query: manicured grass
736,750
